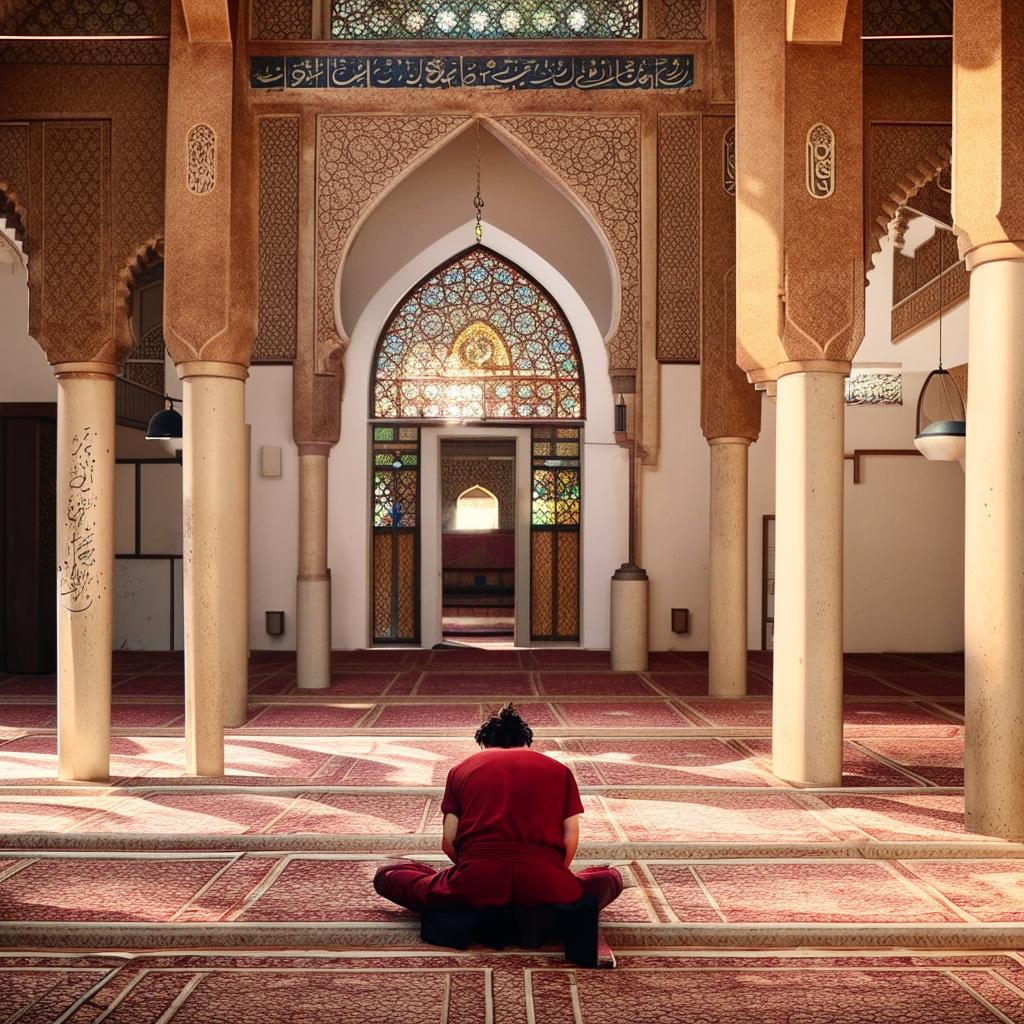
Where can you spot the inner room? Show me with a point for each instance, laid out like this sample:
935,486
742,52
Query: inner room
478,541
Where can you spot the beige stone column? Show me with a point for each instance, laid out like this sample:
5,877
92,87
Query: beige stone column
807,703
727,610
994,553
216,550
313,587
629,627
85,568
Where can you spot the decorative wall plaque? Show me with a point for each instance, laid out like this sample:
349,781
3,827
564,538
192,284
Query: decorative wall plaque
874,387
202,159
821,161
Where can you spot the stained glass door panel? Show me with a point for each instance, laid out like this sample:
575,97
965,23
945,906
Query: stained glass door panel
395,515
555,515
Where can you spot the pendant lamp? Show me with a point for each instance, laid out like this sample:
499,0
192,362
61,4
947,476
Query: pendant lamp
941,417
165,425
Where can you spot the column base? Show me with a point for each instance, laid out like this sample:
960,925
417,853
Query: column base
313,633
629,626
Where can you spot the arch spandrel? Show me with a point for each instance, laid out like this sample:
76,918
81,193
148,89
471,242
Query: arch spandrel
593,160
359,159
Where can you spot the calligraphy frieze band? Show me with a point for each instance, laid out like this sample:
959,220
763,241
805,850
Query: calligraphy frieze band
511,73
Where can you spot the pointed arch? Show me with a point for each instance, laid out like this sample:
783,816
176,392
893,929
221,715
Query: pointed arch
477,339
477,508
520,149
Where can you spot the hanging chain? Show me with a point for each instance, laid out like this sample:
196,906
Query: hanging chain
478,199
940,314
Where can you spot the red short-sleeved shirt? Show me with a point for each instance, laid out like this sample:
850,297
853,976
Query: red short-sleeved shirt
517,795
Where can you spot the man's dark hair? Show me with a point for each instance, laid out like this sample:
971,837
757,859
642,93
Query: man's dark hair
505,729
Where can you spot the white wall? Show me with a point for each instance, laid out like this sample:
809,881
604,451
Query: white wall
274,509
605,468
25,375
904,521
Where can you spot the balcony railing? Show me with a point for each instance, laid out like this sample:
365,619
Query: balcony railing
136,404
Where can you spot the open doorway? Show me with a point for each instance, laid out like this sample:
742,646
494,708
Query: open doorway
478,549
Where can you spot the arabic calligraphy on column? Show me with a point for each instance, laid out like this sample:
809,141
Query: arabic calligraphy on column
76,567
511,73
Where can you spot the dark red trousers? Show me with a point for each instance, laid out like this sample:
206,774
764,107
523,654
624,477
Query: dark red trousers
419,887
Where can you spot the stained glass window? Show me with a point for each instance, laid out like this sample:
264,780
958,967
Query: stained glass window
477,340
485,19
555,533
395,466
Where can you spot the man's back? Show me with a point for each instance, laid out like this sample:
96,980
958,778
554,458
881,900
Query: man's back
516,795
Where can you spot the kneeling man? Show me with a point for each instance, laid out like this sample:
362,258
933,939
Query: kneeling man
511,827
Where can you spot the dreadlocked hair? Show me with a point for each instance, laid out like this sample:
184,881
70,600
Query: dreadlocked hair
505,729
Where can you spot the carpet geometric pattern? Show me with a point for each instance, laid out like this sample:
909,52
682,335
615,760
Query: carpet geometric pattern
477,988
899,914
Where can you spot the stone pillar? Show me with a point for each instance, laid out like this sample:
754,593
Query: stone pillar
216,550
629,619
85,568
807,703
994,553
988,214
313,596
727,610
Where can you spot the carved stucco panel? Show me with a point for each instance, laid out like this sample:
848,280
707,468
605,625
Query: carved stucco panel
282,19
201,167
129,212
358,158
598,158
677,19
901,159
730,407
72,279
14,169
278,239
679,209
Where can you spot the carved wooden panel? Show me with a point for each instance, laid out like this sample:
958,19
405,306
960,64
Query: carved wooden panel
278,240
281,19
677,19
14,168
73,281
730,407
85,17
128,210
901,158
100,51
358,158
599,159
679,229
202,159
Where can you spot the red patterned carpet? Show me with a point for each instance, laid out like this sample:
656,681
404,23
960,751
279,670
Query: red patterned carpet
754,900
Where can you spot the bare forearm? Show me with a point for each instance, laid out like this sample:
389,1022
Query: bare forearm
449,830
571,838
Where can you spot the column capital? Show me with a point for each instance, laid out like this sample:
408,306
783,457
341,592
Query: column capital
771,374
730,440
86,370
201,368
990,252
314,448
